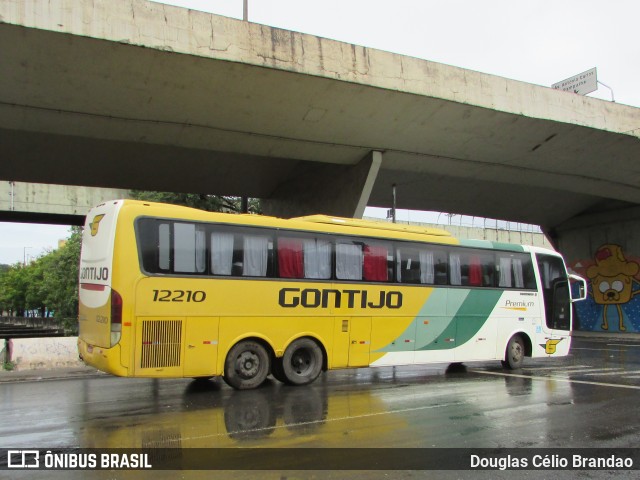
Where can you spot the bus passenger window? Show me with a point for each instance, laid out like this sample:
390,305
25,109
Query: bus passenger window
304,258
290,258
256,256
189,248
409,265
505,270
375,263
475,271
455,269
317,258
349,261
515,271
487,269
221,253
164,246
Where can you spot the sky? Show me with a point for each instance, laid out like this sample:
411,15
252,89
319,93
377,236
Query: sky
535,41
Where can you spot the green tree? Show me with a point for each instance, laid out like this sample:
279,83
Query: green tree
35,294
13,288
50,283
211,203
60,278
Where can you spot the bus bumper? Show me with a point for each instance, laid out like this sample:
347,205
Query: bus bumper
104,359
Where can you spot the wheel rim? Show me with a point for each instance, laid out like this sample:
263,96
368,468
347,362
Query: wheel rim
516,352
247,364
302,361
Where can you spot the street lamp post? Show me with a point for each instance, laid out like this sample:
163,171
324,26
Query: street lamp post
24,256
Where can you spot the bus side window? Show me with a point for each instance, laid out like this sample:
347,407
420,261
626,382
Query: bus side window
304,258
408,265
417,265
455,268
376,263
189,248
515,271
164,246
256,255
505,271
349,260
317,258
290,257
221,253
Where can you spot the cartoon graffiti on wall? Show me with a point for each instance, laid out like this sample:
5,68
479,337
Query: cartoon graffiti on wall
613,304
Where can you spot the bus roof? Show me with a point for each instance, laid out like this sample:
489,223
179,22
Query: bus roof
377,225
318,223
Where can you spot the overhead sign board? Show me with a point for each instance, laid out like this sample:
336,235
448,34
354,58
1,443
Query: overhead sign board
583,83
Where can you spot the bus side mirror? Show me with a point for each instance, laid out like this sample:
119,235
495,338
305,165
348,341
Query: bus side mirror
582,288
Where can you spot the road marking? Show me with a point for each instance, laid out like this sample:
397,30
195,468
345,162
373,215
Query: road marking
559,367
599,349
621,345
593,370
622,373
554,377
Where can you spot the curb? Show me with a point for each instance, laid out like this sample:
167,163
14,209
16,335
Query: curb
629,337
49,374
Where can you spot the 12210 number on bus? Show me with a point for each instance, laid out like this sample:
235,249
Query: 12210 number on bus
196,296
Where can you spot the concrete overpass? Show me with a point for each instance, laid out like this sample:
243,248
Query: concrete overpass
52,204
133,94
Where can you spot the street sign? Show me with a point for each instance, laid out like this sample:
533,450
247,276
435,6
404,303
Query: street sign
583,83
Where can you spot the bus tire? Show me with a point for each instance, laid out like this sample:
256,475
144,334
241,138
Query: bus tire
277,371
514,354
302,362
246,365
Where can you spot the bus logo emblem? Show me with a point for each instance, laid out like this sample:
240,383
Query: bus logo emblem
550,346
95,224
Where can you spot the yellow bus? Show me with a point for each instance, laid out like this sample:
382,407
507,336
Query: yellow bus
171,291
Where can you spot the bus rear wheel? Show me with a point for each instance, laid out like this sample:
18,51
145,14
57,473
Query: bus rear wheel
514,355
277,370
246,366
302,362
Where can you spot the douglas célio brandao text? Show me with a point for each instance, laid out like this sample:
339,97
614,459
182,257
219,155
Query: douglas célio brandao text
550,462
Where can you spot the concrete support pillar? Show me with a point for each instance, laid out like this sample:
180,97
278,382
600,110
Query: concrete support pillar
341,190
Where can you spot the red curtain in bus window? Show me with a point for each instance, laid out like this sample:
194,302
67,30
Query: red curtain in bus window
375,264
475,271
290,258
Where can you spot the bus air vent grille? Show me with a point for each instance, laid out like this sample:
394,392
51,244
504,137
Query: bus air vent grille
161,343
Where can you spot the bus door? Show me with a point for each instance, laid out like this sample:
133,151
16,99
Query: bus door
358,332
359,341
556,294
200,346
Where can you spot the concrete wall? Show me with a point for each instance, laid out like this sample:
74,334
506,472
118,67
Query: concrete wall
42,353
605,249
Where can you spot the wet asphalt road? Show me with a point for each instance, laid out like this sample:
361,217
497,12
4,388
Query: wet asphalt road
589,399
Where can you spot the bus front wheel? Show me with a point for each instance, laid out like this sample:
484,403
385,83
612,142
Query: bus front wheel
246,366
302,362
514,355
